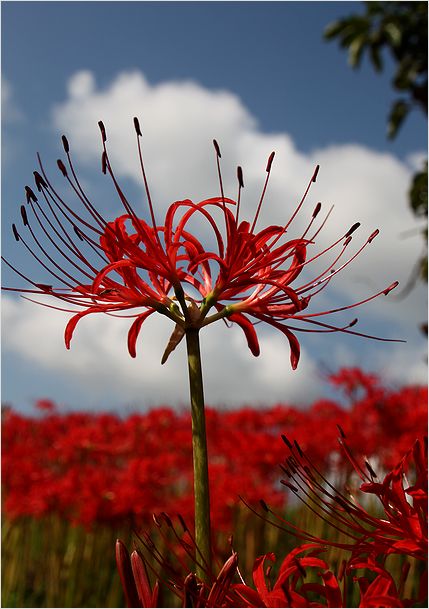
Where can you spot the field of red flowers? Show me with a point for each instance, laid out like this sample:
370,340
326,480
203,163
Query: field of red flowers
69,477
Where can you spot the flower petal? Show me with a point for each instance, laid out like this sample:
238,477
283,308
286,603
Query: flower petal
71,325
247,326
135,329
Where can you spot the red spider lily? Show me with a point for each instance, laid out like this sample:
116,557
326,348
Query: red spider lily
129,265
402,530
303,579
290,589
174,567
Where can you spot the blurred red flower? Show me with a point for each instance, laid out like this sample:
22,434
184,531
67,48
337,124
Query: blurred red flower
93,468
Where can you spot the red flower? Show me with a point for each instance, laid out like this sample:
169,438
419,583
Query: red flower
403,528
113,267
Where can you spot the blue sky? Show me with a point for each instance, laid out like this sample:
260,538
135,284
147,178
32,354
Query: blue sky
262,72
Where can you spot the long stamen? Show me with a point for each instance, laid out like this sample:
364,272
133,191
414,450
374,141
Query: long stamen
146,185
324,325
356,304
41,187
50,271
268,170
240,186
219,173
79,190
44,251
162,260
66,245
59,202
313,179
310,285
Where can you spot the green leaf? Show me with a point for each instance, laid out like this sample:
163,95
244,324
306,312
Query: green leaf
377,62
419,193
397,115
333,29
393,33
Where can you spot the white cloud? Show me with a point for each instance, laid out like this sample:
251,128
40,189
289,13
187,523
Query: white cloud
99,360
179,119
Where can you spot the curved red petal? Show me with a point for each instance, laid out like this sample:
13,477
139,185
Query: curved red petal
134,330
71,325
249,331
295,348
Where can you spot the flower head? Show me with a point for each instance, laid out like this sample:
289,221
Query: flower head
131,267
401,530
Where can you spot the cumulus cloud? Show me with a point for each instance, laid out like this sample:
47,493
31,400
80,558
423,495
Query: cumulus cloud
179,119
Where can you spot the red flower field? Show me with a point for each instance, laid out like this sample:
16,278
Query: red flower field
103,468
74,482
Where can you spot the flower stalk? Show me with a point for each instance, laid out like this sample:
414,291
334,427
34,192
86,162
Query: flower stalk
199,452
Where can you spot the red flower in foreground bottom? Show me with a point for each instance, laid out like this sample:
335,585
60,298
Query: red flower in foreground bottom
131,266
303,579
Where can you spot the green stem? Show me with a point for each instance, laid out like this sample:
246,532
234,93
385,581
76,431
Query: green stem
199,447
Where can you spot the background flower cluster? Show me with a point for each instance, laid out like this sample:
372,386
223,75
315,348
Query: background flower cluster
104,468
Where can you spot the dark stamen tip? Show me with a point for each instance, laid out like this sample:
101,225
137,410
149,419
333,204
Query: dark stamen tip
391,287
240,177
103,131
65,144
216,145
286,441
62,167
15,232
30,196
264,505
352,229
298,448
373,235
317,209
270,162
353,322
40,182
289,486
137,126
370,470
340,429
104,162
24,215
316,171
167,519
182,522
